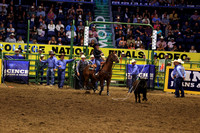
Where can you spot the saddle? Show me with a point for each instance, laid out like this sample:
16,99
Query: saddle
92,67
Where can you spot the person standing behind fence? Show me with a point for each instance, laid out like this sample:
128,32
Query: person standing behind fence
51,68
61,64
79,69
42,65
17,54
134,74
178,76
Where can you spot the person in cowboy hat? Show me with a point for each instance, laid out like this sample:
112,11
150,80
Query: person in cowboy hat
61,64
11,38
92,59
40,51
134,74
97,54
17,54
79,69
178,76
51,67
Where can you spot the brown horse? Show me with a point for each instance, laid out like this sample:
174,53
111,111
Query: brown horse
106,72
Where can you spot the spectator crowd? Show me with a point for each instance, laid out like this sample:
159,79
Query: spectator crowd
177,29
50,23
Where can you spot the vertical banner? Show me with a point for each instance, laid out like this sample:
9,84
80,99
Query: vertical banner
191,84
16,71
146,71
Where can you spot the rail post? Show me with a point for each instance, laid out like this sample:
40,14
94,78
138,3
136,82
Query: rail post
28,37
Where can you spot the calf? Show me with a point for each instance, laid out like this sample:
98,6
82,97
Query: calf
140,86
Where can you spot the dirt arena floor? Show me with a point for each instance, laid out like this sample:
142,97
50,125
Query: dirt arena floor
34,108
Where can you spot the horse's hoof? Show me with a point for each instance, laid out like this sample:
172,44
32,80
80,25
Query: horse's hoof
108,94
99,93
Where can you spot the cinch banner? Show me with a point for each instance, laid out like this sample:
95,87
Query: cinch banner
138,54
191,83
147,71
16,71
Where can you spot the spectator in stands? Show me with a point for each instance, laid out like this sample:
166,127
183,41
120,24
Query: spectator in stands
91,37
159,31
119,34
10,29
180,48
196,29
80,34
188,33
175,48
33,32
148,32
3,9
171,44
177,29
11,38
79,9
2,29
92,43
126,14
52,41
194,17
89,16
79,17
185,26
80,26
140,32
41,12
146,20
69,27
118,26
51,15
40,20
81,42
1,38
160,47
93,31
32,11
3,17
131,46
156,18
32,21
161,43
59,25
59,41
147,14
168,30
44,26
61,33
51,26
71,10
164,22
34,41
174,17
118,12
138,42
141,47
130,40
40,31
20,40
122,43
68,35
193,50
157,24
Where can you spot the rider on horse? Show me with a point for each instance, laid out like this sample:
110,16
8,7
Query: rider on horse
97,54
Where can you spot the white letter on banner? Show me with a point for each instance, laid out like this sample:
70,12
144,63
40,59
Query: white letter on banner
196,75
104,33
1,45
102,44
187,78
21,71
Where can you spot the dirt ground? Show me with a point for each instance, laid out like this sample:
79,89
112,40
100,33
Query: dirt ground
35,108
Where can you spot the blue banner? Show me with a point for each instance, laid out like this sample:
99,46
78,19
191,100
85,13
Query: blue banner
191,82
146,71
16,71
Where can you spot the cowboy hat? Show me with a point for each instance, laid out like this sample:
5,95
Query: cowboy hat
51,52
161,37
40,49
12,34
133,60
179,61
16,50
41,55
92,56
83,56
62,54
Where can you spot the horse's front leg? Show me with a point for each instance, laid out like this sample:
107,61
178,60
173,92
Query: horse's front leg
101,84
108,84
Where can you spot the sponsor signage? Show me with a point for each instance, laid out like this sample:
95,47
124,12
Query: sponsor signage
146,71
16,71
138,54
191,84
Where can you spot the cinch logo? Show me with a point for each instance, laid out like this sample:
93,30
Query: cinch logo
18,71
193,76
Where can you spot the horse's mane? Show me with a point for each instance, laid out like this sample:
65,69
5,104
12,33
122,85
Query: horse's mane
108,57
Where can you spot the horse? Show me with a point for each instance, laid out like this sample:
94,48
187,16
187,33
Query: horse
105,73
140,86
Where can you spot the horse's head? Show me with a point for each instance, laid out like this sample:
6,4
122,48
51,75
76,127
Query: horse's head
114,57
